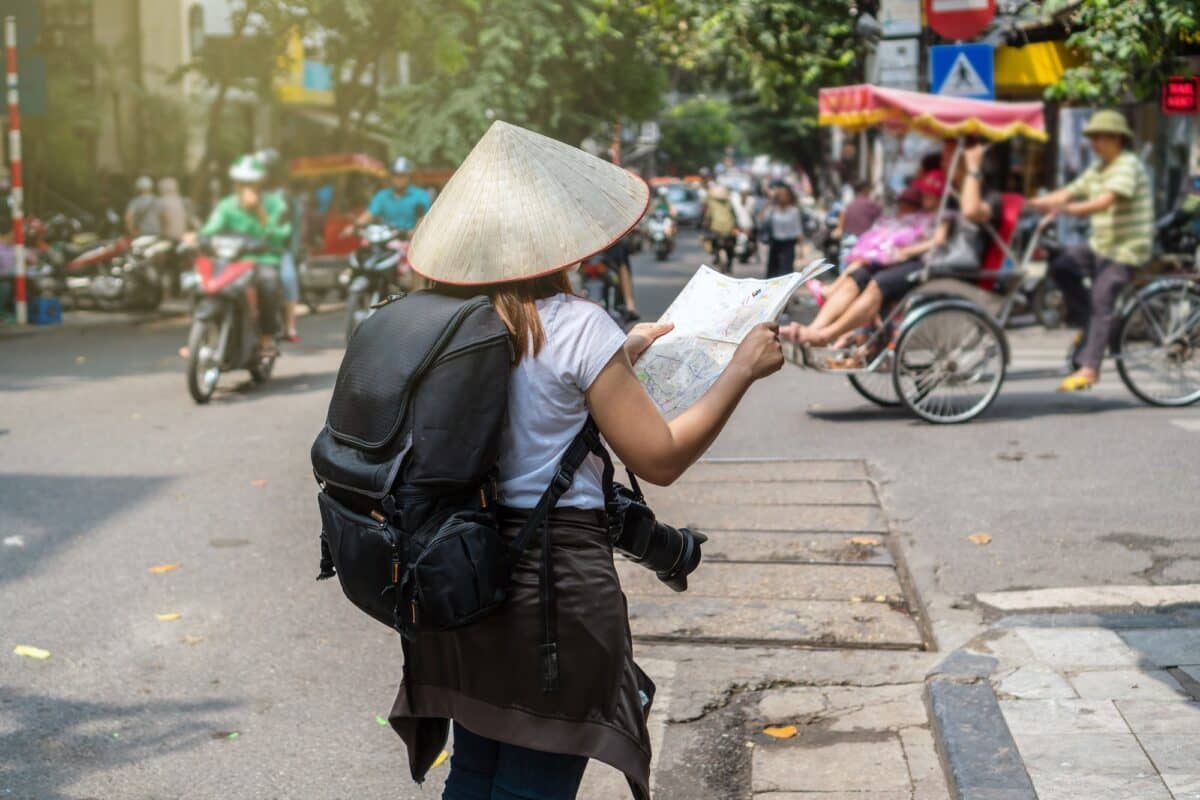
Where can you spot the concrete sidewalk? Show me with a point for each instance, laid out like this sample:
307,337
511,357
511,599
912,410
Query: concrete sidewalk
1097,705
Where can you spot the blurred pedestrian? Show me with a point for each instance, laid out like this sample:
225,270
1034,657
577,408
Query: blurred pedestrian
289,277
1115,193
176,219
860,214
142,216
781,219
175,211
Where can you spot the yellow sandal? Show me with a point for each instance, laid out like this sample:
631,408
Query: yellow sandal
1076,383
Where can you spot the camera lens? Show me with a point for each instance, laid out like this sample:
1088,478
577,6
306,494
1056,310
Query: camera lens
671,553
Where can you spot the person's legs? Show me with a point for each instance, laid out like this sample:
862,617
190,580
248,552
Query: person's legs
266,279
862,311
472,766
1068,270
1110,279
291,292
625,277
887,284
787,257
524,774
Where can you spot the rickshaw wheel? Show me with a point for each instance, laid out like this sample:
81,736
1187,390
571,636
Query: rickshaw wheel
949,364
876,387
1158,346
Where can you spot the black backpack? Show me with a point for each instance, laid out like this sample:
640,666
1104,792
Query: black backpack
406,465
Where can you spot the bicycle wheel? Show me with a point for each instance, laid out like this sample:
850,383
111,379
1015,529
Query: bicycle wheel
1048,305
949,364
876,387
1158,346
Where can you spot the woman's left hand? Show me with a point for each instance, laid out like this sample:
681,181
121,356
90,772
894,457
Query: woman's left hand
642,335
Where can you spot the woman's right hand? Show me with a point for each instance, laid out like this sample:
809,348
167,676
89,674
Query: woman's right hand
759,353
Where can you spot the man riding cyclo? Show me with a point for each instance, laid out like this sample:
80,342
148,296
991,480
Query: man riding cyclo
400,205
256,214
958,243
1115,192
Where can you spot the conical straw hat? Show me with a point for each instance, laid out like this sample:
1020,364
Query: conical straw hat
523,205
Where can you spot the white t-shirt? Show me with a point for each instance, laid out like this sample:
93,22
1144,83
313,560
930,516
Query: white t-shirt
546,405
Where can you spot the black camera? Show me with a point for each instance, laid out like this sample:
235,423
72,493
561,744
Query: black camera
672,553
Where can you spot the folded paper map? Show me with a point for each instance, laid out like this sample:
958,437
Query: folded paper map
712,315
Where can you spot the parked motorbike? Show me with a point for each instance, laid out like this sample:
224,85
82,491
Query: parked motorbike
132,280
602,285
376,270
661,230
224,333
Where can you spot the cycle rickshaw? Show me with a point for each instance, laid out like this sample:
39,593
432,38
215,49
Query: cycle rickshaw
941,351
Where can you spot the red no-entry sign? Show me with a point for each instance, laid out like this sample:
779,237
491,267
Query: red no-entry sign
959,19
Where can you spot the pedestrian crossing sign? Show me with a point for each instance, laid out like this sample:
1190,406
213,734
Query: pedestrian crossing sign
963,70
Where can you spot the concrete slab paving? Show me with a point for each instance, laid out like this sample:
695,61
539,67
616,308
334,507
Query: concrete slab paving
924,768
890,795
770,582
1079,647
1054,717
1177,758
1092,597
801,518
714,620
839,766
768,493
1033,682
781,547
1127,684
845,709
736,470
1165,647
1153,717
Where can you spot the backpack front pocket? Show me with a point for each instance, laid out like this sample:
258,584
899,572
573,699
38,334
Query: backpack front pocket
364,552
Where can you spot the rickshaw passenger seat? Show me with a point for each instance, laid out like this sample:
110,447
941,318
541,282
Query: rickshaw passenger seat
1011,204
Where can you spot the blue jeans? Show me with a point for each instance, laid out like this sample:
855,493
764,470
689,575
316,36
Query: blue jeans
288,277
483,769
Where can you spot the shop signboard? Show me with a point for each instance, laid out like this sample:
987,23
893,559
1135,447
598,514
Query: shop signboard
1181,95
900,18
897,64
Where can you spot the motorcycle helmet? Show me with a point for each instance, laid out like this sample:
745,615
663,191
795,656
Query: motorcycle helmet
401,166
247,169
661,191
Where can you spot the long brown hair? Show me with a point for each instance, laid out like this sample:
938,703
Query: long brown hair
516,303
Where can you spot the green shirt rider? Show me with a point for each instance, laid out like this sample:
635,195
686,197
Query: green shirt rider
253,213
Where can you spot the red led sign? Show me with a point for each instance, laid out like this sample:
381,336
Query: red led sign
1181,96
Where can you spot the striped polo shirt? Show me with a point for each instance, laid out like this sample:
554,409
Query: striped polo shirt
1124,231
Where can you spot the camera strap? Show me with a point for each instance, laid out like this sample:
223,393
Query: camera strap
585,442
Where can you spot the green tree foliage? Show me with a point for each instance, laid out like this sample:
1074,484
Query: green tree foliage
696,133
771,56
566,68
1128,46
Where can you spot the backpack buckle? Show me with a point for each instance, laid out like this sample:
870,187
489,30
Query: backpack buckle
562,481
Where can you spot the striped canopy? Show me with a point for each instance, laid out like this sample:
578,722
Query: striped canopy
863,106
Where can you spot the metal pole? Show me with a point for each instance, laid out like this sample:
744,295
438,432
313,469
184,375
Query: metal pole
14,155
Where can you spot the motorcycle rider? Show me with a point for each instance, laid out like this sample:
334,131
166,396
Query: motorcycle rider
400,205
252,212
288,277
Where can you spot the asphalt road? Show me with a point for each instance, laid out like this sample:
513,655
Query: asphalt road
107,470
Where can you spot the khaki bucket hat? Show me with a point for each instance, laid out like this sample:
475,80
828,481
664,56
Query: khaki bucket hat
523,205
1108,121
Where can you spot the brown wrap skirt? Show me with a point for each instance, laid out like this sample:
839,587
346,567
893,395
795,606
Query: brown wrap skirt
487,676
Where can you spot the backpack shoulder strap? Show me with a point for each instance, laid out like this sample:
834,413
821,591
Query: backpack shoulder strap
586,441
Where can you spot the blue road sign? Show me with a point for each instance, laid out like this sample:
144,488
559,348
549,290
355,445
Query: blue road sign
963,70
